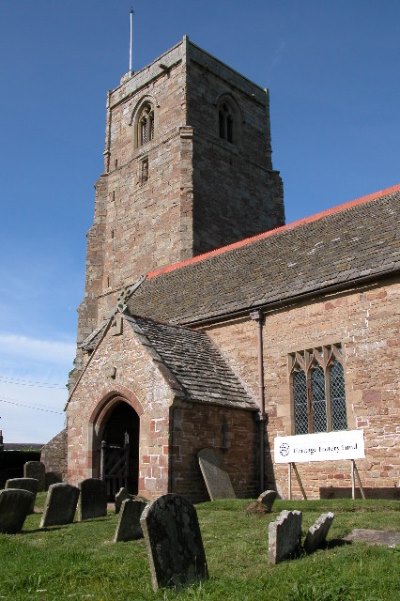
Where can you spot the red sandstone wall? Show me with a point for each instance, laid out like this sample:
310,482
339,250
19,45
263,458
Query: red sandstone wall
138,380
367,324
197,426
236,192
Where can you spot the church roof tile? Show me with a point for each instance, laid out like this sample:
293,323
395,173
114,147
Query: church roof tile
195,363
348,243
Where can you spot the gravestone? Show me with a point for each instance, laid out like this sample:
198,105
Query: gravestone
316,535
129,527
29,484
216,478
15,504
93,499
120,497
284,536
174,544
37,470
52,478
267,498
60,506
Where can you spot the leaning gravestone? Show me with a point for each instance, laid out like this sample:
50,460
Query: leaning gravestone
284,536
128,527
93,499
29,484
216,478
120,497
15,505
174,544
316,535
267,498
36,469
60,506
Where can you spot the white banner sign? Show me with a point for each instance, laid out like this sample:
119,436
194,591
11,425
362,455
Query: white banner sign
324,446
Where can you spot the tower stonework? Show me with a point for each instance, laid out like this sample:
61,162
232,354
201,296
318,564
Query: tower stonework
187,169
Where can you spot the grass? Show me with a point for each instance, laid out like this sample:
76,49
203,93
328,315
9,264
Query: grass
79,561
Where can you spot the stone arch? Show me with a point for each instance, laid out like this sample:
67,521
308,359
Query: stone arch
229,118
146,103
114,432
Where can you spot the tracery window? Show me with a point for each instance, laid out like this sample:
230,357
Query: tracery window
145,124
317,389
226,122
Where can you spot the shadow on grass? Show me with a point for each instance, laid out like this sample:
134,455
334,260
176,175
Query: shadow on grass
337,542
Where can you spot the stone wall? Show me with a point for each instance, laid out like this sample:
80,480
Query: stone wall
54,456
122,369
236,192
196,426
201,193
366,323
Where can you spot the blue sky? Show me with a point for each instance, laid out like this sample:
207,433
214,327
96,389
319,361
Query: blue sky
332,70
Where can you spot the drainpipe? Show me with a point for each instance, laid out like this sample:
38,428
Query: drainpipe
258,317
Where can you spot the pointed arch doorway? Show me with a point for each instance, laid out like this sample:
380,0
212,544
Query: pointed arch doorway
119,448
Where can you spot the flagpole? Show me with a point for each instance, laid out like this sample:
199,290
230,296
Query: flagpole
131,13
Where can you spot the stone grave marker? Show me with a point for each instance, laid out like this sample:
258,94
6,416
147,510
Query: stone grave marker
60,506
129,527
120,497
216,478
93,499
174,544
15,504
267,498
284,536
316,535
52,478
36,469
29,484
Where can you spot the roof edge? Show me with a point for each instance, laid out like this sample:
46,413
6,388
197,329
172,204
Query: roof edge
284,228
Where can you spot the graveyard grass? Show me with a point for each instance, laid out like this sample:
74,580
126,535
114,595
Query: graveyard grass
79,561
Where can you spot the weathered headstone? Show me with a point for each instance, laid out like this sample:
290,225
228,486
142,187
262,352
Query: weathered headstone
129,527
267,498
284,536
316,535
216,478
52,478
37,470
120,497
174,544
15,505
29,484
93,499
60,506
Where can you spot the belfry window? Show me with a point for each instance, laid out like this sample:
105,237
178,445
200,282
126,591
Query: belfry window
317,390
226,123
145,124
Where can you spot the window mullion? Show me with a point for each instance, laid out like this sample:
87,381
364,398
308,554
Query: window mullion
328,399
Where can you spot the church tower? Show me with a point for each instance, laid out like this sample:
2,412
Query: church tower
187,169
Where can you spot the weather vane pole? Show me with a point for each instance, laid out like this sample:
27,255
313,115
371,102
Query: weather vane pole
131,13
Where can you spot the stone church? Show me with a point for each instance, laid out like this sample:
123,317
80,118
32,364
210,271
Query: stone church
209,323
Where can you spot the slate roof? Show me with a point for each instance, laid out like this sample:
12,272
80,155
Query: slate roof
195,362
344,245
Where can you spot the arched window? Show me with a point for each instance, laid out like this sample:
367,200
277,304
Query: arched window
226,122
318,390
145,124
